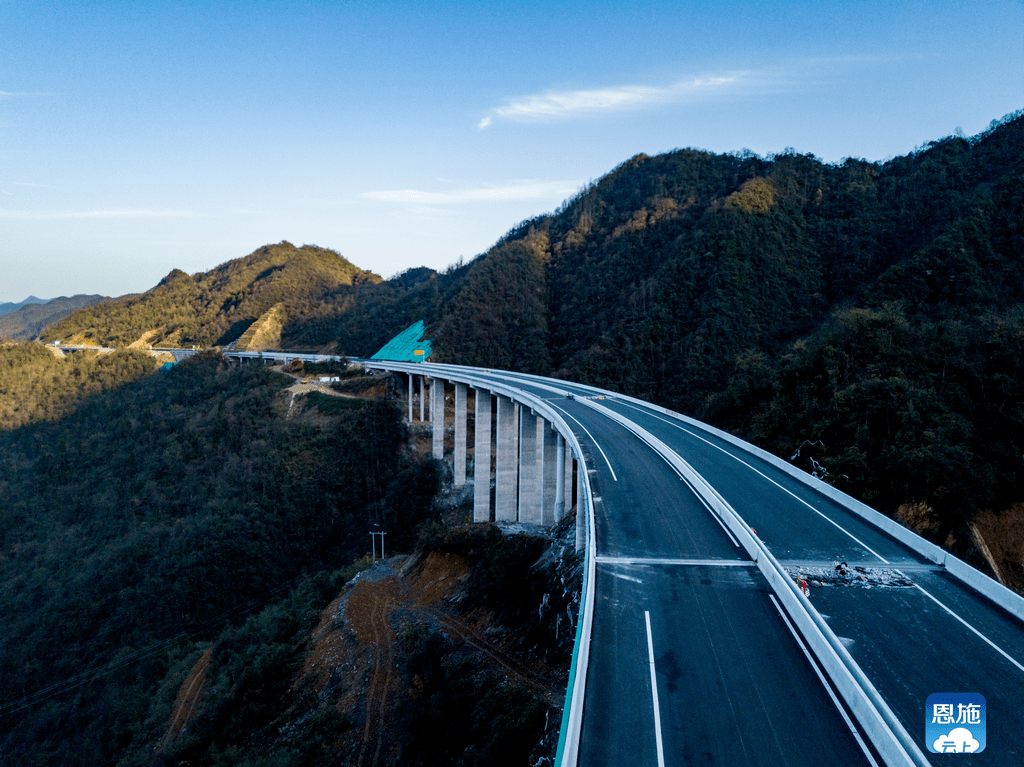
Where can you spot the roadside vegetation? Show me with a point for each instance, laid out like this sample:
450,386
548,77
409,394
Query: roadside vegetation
149,521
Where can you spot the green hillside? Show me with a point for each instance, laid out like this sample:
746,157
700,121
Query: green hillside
874,311
216,307
868,316
862,320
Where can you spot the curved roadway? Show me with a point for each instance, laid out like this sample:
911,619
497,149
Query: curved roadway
692,660
734,684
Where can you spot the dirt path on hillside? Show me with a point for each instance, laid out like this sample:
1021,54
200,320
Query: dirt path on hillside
369,611
185,704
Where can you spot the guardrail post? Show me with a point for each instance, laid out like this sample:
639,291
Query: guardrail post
482,456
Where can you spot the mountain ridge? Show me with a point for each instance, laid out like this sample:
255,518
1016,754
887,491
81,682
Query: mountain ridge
33,315
875,310
215,307
7,307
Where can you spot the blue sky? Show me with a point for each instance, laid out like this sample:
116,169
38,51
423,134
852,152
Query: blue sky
140,137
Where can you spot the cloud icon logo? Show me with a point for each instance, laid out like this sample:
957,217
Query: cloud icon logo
958,741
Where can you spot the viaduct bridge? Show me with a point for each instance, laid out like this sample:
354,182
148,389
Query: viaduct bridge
695,644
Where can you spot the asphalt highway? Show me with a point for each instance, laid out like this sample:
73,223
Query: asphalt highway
734,684
935,635
692,660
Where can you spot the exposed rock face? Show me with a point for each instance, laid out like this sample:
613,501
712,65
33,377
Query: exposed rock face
265,333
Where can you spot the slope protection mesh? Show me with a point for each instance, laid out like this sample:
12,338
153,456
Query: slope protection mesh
403,347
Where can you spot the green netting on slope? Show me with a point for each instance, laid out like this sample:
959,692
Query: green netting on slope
403,347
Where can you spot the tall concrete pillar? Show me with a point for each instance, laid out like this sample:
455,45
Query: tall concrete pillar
581,508
559,501
460,434
410,396
437,415
423,398
548,441
568,481
482,457
506,470
529,468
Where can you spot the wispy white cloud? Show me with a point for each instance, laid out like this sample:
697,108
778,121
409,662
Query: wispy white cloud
557,105
532,190
80,214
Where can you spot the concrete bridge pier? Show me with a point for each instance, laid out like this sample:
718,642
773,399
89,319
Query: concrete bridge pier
547,442
482,456
581,517
506,470
567,500
529,468
461,398
533,465
559,503
437,416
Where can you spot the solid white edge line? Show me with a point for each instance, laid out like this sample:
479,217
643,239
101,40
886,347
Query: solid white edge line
824,682
592,439
654,691
765,476
994,646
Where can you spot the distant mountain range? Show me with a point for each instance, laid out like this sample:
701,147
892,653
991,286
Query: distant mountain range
6,308
25,321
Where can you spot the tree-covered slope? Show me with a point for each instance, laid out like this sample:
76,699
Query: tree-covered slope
215,307
722,286
872,310
149,520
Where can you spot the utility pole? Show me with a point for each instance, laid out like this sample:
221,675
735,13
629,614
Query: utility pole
374,541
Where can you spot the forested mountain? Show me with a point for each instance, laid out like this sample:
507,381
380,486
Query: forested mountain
152,519
216,307
28,320
873,311
868,317
7,307
170,540
864,320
